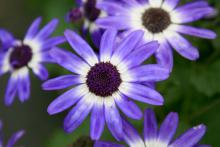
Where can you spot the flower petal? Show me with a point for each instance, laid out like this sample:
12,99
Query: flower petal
15,137
78,114
49,43
164,56
107,44
113,118
146,73
97,123
168,128
81,47
24,86
61,82
33,29
11,90
106,144
135,91
67,99
131,136
138,56
182,46
155,3
128,106
150,125
191,137
169,5
126,46
202,33
47,30
40,71
69,61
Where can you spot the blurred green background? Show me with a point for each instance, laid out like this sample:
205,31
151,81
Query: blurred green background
193,90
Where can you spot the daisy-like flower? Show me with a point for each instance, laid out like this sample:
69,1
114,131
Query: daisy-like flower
161,20
154,137
17,57
103,83
14,138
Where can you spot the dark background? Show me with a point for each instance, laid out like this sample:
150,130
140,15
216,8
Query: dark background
193,90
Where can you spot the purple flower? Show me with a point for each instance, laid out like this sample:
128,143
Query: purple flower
86,10
103,83
17,57
163,137
14,138
162,21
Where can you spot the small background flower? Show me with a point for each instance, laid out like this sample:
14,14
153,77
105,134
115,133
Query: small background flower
192,91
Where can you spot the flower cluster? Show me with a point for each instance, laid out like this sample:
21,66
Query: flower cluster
127,33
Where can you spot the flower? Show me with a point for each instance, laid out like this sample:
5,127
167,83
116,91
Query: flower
14,138
103,83
86,10
17,57
162,137
162,21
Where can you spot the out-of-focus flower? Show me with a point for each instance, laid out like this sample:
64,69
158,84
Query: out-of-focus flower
161,20
17,57
14,138
103,83
87,13
163,137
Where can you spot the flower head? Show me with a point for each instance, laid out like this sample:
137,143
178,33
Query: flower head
18,56
14,138
103,83
161,20
163,137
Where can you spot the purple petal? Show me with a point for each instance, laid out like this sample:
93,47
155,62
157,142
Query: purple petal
182,46
126,46
47,30
6,40
97,123
135,91
24,87
147,73
164,56
191,137
168,128
69,61
61,82
11,90
117,22
140,54
170,4
49,43
66,100
111,8
81,47
107,44
78,114
15,137
131,136
113,119
96,35
106,144
40,71
128,107
33,29
150,125
202,33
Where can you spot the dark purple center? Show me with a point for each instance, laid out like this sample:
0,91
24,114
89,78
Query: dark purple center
91,12
156,20
20,56
103,79
75,14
